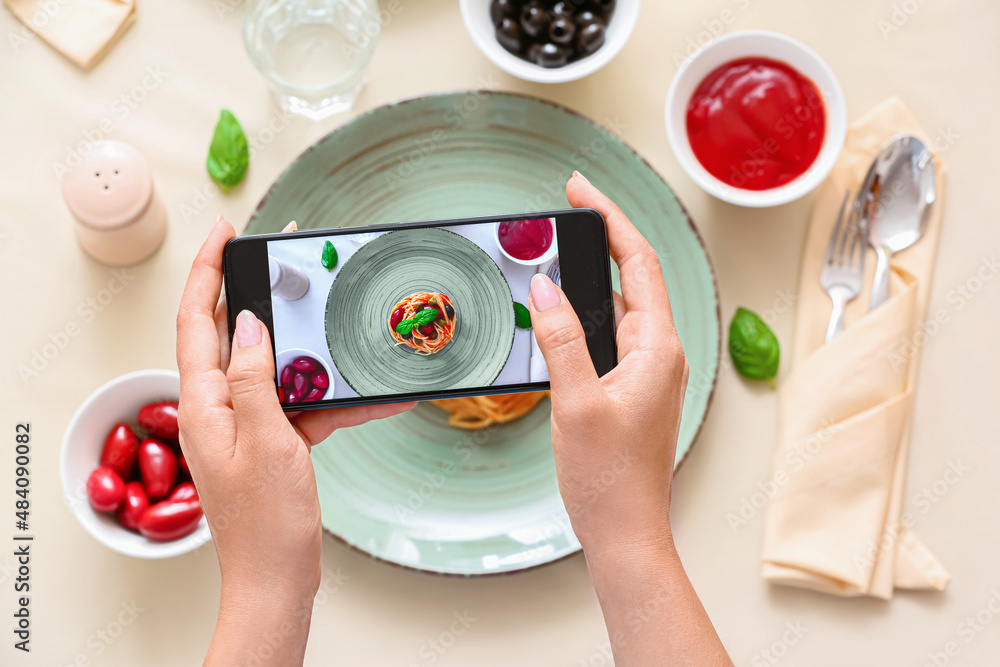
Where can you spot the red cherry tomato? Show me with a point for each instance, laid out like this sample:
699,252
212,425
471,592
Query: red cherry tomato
160,419
105,489
133,506
184,491
320,379
158,465
170,519
119,451
304,364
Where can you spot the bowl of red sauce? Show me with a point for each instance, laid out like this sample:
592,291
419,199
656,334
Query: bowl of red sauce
530,242
756,118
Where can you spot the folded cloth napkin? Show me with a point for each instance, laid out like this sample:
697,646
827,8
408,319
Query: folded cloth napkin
835,522
82,30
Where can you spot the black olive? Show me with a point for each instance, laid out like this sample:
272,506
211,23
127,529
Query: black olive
407,336
509,35
502,9
563,8
534,53
607,7
590,38
553,55
586,17
534,19
449,311
562,30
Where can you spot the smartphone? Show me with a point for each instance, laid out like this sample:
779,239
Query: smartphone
419,310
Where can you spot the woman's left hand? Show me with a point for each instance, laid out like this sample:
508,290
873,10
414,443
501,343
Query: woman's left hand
250,463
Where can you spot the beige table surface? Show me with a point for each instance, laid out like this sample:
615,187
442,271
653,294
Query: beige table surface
944,61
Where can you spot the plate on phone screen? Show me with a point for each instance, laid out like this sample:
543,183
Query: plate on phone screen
412,490
390,268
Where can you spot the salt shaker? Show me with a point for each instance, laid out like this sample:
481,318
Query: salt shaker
119,218
287,281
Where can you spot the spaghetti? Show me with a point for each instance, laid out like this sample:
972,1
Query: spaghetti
482,411
424,321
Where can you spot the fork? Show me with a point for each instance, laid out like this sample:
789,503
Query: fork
844,266
553,272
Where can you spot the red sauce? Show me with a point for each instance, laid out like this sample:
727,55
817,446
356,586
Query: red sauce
526,239
756,123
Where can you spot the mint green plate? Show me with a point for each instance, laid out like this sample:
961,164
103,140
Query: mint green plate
411,490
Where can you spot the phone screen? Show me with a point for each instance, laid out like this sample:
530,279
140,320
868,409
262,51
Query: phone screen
420,310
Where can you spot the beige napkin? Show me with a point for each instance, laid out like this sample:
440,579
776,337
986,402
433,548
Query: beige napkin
82,30
835,522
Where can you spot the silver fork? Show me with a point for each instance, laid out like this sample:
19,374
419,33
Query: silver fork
553,273
844,266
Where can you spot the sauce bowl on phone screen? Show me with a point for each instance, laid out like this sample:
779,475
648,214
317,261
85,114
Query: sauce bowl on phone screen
529,242
756,118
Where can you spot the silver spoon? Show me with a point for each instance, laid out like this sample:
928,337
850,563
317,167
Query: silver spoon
901,186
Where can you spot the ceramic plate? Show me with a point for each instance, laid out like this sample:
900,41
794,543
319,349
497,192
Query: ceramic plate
392,267
411,490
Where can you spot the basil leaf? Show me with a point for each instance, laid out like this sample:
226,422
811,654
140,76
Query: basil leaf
329,257
426,316
405,327
228,154
753,347
522,317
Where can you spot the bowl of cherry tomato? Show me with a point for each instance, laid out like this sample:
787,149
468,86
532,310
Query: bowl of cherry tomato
123,474
550,41
303,376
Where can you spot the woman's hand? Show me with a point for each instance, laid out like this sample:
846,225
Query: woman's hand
614,439
250,462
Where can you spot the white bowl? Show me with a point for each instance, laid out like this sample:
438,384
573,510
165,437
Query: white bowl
286,357
541,259
747,44
117,401
476,14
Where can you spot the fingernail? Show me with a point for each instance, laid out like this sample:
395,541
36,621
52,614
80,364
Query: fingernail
247,329
218,221
543,292
290,227
577,174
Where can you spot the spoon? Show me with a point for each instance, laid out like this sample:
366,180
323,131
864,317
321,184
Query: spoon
900,188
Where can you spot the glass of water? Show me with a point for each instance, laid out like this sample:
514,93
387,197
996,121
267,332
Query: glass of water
313,52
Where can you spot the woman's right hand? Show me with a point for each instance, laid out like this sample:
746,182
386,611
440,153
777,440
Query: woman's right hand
614,439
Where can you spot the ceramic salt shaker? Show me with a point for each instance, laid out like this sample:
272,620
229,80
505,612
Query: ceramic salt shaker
119,218
287,281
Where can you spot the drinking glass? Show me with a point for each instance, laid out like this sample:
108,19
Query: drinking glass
313,52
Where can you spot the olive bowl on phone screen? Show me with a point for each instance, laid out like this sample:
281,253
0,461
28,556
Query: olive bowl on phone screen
418,311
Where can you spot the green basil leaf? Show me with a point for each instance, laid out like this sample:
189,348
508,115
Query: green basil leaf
426,316
522,317
228,154
329,257
753,347
405,327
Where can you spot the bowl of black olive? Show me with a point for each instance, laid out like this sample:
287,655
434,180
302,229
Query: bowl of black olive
550,41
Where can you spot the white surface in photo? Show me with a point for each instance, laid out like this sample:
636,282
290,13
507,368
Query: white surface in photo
301,323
